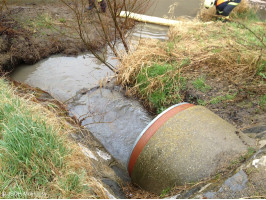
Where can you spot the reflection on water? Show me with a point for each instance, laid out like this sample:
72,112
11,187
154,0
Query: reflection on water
149,31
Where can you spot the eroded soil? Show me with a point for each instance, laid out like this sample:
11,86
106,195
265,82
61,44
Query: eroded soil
30,32
244,109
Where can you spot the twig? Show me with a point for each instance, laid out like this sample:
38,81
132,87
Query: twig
99,123
260,39
82,36
4,30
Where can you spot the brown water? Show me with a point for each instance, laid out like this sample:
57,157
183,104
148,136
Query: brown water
63,76
161,8
261,5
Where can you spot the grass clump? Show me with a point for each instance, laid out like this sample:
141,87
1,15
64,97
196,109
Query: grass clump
161,84
165,192
218,99
35,156
201,102
200,84
262,69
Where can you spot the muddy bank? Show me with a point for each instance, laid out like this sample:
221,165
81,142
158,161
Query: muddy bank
30,32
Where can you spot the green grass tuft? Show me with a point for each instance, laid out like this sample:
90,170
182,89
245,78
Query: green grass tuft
200,84
262,69
168,89
219,99
201,102
165,192
248,15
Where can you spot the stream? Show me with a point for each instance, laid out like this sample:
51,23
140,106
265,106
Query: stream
116,121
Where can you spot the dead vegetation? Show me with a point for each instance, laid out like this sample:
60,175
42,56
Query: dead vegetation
228,58
242,10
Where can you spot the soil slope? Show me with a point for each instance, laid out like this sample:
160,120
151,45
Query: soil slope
30,32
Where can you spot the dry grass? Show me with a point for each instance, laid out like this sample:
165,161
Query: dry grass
74,178
2,5
223,50
234,52
209,14
20,2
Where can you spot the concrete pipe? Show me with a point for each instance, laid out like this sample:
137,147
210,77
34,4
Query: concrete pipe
184,144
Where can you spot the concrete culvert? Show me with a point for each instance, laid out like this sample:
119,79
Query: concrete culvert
184,144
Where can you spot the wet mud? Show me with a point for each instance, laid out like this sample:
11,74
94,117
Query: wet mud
30,32
19,45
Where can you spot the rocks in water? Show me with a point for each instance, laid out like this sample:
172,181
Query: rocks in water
115,187
231,187
248,182
109,172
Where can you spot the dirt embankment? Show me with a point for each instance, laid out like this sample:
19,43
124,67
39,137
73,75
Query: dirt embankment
30,32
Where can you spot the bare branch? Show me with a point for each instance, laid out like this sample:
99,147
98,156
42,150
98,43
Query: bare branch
110,28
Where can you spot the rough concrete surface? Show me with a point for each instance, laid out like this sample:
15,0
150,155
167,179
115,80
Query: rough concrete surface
190,146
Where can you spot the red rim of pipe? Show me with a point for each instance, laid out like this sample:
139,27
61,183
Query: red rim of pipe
150,132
